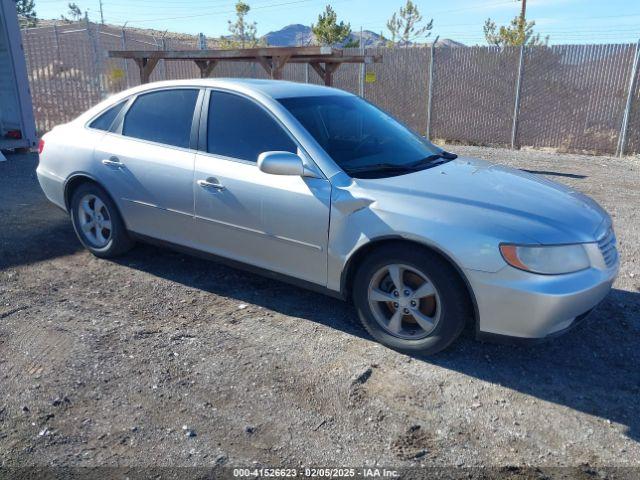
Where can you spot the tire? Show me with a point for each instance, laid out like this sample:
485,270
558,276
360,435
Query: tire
421,271
107,242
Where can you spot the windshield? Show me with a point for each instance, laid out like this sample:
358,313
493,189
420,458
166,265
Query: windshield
359,137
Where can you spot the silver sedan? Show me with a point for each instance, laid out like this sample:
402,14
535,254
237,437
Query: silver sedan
318,187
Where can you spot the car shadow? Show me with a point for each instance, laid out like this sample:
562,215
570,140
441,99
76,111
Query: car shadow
31,228
24,242
592,369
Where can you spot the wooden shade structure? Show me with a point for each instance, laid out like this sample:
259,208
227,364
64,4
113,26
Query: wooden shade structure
324,60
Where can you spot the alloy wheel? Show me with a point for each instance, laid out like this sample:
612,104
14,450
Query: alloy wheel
94,220
404,301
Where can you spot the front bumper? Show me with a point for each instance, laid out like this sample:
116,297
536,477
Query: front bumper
518,304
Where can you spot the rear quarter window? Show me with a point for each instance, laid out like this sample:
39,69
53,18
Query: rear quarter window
105,120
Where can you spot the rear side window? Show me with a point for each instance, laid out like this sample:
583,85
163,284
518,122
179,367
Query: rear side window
163,117
239,128
104,121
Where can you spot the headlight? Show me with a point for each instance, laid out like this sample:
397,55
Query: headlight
548,260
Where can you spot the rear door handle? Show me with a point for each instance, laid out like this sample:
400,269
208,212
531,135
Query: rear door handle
211,183
113,162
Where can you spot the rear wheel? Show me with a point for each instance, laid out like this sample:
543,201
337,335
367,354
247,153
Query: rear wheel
410,299
97,222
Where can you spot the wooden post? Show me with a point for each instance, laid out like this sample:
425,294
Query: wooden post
146,66
206,67
274,66
326,72
329,70
278,64
266,64
318,68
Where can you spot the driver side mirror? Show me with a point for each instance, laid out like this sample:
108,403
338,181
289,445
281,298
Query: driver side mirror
281,163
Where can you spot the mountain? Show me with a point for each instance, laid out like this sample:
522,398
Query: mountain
299,35
369,38
289,36
446,42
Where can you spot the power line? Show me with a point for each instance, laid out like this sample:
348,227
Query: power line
218,9
220,12
290,4
295,2
457,10
190,4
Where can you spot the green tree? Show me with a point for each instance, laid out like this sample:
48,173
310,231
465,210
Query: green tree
74,12
352,43
518,32
27,17
243,32
405,25
328,31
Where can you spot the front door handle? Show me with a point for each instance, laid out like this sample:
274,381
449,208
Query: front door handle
113,162
211,183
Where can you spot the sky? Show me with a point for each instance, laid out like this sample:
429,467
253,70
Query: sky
565,21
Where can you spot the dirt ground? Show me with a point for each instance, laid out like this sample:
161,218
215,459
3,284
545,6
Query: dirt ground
161,359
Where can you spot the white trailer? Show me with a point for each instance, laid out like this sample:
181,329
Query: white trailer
17,127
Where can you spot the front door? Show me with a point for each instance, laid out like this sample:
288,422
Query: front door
275,222
147,164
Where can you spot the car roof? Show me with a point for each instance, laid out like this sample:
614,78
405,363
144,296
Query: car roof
261,89
271,88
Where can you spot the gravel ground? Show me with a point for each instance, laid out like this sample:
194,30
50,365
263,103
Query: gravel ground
160,359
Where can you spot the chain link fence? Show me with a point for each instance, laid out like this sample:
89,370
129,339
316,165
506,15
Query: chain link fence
572,98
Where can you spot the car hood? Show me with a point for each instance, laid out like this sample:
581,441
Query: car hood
474,191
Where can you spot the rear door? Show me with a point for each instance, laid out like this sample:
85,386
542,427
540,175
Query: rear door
275,222
147,163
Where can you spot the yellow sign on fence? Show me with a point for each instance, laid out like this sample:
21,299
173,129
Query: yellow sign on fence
370,77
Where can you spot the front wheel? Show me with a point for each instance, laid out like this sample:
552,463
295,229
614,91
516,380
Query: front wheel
97,222
410,299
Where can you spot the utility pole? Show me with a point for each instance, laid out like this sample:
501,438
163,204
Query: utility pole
516,108
101,14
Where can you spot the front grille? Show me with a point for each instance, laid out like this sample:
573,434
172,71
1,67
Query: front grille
607,245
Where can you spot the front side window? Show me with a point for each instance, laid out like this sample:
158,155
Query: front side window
164,117
239,128
104,121
359,137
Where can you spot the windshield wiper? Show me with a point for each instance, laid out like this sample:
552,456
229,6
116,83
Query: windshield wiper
431,159
378,167
409,167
